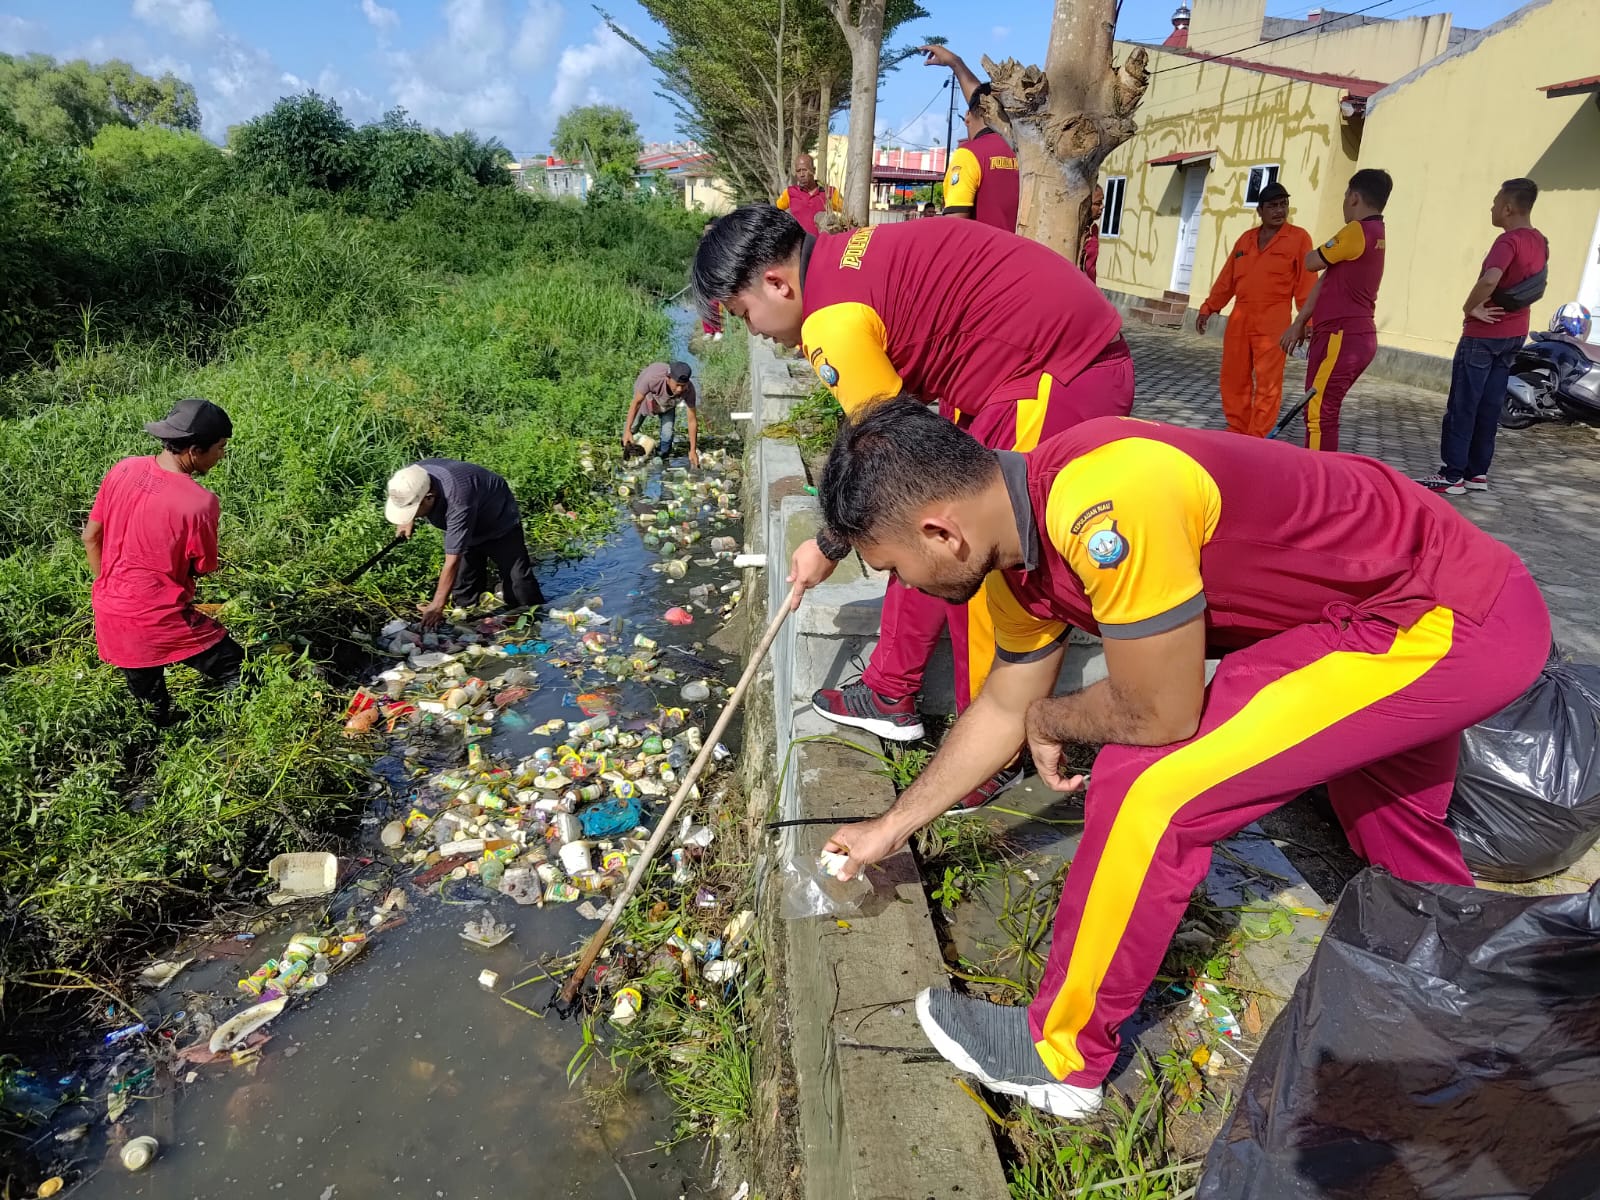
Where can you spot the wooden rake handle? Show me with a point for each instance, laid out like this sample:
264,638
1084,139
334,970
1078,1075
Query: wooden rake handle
597,943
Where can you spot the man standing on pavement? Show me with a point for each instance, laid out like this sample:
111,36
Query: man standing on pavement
981,182
1089,258
1265,276
1496,326
1368,623
805,199
1342,305
1012,339
151,534
657,392
481,523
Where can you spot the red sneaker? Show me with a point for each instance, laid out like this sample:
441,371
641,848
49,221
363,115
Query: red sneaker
857,705
1002,780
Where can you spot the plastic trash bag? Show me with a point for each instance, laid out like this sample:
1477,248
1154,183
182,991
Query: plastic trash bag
809,891
1444,1043
1527,797
611,817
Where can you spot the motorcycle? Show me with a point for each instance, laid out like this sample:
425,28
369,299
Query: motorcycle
1556,376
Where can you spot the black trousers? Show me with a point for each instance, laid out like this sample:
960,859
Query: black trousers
509,554
220,664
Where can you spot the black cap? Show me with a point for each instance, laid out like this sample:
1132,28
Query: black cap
678,372
1273,191
195,418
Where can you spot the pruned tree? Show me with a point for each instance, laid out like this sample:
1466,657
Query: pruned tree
1065,119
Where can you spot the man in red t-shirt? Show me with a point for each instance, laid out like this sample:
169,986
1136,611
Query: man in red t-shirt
1495,328
1007,335
805,199
152,532
1089,256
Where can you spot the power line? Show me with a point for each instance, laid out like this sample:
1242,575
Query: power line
907,124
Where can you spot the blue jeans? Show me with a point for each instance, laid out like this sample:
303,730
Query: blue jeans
1478,377
667,424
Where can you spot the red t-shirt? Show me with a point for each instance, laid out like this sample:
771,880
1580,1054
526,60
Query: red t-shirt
948,310
1518,253
160,535
805,206
1141,527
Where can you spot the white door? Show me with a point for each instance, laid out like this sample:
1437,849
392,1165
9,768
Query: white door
1589,284
1194,191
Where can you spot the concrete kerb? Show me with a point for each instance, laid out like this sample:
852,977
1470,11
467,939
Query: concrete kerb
879,1115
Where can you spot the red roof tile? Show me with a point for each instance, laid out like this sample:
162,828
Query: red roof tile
1572,87
1360,88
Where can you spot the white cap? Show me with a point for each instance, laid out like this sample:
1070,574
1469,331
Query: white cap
408,488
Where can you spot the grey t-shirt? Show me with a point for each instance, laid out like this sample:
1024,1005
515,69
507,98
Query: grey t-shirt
652,385
472,504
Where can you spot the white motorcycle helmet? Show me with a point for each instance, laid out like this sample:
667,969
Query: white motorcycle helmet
1572,319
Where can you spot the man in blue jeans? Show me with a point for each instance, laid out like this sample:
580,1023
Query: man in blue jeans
1495,328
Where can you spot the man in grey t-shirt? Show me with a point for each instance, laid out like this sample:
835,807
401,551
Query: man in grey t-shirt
658,391
481,521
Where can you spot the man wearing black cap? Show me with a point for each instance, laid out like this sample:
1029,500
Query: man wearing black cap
658,391
1263,274
152,532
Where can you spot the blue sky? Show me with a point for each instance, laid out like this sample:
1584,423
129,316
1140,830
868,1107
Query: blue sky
505,67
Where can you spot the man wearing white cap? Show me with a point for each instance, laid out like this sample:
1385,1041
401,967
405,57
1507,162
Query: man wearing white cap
481,522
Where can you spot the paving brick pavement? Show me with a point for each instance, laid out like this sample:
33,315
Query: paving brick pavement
1544,500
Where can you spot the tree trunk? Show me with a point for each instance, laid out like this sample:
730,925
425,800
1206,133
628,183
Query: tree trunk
1065,119
864,34
824,116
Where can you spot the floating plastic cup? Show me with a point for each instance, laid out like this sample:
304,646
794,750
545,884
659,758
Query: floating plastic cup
140,1153
577,856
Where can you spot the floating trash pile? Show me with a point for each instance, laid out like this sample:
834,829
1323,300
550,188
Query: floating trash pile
528,757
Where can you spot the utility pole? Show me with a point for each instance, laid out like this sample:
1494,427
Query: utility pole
950,122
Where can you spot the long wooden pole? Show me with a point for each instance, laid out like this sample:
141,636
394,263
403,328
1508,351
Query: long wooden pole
597,943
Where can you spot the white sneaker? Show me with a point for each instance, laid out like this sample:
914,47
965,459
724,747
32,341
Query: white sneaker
992,1042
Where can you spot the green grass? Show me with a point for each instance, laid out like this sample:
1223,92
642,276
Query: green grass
813,422
491,327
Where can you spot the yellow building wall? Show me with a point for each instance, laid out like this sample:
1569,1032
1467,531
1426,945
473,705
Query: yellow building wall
1250,119
709,194
1382,51
1450,135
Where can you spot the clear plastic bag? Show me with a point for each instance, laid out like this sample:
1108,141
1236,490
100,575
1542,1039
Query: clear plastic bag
809,891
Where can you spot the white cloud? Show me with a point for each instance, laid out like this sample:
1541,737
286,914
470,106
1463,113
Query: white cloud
599,71
191,20
537,35
999,33
380,18
18,36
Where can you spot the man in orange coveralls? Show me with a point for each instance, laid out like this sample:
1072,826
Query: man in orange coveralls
1263,274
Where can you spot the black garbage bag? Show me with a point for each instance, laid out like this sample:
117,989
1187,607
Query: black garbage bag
1444,1043
1527,798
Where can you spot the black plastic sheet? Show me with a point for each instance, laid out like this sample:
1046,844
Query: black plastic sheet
1527,797
1444,1043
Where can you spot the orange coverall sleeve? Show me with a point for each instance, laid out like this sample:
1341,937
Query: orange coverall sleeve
1222,289
1304,280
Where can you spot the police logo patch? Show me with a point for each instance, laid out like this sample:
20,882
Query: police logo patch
1107,547
1089,514
829,374
955,178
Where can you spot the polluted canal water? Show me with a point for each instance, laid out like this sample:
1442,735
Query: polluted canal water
407,1061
